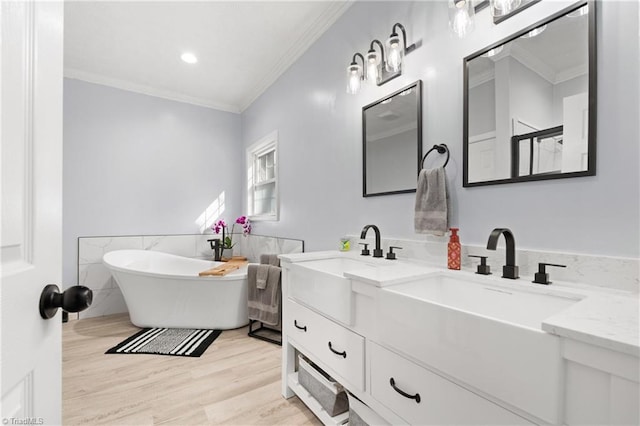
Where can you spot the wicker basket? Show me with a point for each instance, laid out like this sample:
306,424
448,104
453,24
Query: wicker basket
329,393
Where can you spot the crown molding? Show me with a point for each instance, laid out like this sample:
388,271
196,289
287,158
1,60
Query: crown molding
533,63
147,90
572,73
319,27
392,132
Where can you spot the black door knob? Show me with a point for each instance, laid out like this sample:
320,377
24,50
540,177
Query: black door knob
74,299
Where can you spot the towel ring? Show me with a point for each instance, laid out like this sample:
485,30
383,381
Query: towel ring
441,149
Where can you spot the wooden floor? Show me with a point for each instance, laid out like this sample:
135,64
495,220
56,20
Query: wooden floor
235,382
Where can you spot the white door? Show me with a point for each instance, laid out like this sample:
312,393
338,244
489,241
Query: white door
31,234
482,154
576,133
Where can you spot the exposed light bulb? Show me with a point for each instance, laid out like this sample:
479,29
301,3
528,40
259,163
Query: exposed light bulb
189,58
395,52
354,76
461,17
373,75
503,7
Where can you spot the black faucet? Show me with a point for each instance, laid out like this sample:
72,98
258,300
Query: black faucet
217,249
510,270
377,252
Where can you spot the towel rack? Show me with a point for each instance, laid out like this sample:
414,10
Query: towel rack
441,149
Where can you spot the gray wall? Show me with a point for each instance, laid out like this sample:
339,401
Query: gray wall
320,137
482,108
137,164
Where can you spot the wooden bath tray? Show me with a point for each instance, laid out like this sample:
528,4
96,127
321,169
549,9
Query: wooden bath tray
222,270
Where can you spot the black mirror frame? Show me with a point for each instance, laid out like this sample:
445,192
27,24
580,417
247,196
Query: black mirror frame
418,85
593,93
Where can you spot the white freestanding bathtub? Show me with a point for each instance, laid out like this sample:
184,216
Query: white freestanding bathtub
164,290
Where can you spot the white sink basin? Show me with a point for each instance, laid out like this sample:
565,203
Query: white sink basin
338,265
321,284
481,331
523,308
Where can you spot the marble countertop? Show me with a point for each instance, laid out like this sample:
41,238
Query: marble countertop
609,319
600,319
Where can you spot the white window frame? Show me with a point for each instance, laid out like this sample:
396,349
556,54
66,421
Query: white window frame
257,149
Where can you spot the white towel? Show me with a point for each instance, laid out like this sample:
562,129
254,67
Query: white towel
432,198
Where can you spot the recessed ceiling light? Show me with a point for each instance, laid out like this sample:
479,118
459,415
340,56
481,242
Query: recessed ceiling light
579,12
534,32
189,58
493,52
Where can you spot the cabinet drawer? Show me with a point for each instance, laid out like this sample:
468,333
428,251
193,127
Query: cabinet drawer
326,342
440,401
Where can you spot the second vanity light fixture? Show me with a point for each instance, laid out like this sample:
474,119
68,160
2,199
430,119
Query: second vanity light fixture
376,68
462,13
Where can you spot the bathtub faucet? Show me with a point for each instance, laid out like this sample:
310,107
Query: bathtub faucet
216,246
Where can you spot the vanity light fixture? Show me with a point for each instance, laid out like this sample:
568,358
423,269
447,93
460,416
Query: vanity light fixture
375,69
462,12
189,58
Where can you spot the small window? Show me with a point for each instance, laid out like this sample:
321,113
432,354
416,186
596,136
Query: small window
262,176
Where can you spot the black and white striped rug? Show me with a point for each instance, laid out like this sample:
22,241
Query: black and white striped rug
167,341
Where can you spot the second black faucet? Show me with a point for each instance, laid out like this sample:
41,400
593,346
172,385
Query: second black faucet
377,252
510,270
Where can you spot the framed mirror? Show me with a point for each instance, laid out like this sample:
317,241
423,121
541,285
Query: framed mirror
530,103
392,142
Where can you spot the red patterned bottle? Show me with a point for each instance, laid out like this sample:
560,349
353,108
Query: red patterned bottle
453,252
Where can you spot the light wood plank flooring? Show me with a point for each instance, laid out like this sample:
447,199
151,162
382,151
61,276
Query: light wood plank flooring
235,382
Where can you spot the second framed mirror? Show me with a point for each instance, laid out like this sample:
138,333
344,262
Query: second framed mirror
392,142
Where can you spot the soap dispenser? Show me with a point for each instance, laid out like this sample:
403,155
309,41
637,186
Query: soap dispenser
453,253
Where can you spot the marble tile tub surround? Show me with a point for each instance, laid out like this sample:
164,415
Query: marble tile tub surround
107,298
613,273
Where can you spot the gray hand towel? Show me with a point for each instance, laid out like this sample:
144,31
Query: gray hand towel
269,259
261,276
432,202
264,305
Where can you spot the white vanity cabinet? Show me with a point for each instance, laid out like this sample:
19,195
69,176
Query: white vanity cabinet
386,349
326,342
351,355
420,396
601,385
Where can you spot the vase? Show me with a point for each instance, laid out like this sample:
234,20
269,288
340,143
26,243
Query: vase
227,253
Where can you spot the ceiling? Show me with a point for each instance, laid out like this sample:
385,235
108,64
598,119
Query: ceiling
559,53
242,46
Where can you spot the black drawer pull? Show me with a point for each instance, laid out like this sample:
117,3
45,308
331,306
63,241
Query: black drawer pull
295,322
343,354
403,393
